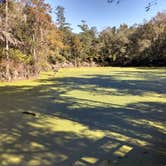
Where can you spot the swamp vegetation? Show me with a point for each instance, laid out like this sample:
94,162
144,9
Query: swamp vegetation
85,116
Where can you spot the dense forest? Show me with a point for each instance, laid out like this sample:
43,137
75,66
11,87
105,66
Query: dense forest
30,41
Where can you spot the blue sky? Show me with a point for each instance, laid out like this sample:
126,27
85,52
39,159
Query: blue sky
101,14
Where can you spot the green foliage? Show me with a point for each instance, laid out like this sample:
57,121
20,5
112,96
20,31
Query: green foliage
53,59
134,46
34,39
61,20
2,52
18,56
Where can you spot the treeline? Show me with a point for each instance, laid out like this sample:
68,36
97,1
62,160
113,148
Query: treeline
30,41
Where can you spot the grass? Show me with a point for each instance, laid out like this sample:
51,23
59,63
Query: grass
84,116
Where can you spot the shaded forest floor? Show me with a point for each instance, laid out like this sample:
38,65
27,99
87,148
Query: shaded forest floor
85,116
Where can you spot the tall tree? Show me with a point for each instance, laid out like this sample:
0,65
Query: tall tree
61,20
6,41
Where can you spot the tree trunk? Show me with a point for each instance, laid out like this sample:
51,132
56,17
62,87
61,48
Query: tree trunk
7,43
35,56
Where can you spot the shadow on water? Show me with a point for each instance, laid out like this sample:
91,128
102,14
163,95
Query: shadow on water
73,130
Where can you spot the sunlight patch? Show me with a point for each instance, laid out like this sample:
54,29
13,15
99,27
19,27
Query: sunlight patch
123,150
55,124
158,125
36,145
10,159
6,138
91,160
63,125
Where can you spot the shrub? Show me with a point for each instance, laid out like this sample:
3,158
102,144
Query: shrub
18,56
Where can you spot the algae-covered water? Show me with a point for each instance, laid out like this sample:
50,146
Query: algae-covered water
85,116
